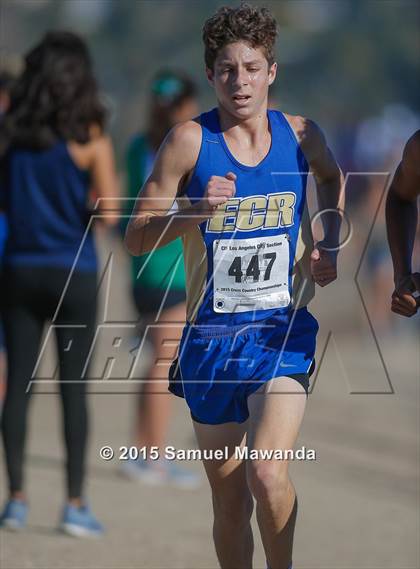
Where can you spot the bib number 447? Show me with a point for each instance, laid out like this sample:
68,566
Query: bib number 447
254,268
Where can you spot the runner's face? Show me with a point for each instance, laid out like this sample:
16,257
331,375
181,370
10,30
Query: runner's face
241,78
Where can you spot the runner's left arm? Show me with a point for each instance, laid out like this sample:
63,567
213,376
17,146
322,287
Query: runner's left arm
329,182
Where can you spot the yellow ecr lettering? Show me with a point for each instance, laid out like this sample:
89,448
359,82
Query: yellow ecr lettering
280,210
223,213
249,217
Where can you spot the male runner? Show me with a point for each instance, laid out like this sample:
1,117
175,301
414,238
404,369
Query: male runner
239,175
401,222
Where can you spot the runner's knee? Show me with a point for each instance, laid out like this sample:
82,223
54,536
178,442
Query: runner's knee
267,481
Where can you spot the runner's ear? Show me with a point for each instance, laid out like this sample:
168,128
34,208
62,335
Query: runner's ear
210,75
272,72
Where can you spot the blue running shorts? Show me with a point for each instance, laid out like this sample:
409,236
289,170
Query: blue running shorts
219,367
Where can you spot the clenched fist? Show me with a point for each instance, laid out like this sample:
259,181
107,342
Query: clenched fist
218,191
404,301
323,265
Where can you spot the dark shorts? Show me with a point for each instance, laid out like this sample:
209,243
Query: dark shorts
217,370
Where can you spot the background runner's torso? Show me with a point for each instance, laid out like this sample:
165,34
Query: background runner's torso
45,197
270,203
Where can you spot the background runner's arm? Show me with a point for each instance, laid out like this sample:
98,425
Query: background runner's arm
150,226
401,208
329,180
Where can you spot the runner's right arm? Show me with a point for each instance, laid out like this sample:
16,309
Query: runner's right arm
150,225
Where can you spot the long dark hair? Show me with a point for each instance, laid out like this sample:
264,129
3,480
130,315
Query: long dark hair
56,97
169,90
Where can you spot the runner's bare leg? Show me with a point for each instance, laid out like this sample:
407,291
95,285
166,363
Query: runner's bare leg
276,412
232,500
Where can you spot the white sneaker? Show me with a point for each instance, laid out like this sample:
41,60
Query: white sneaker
160,473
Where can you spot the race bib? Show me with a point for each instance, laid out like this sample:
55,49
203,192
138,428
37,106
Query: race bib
251,274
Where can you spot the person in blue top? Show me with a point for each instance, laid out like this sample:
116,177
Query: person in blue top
239,174
6,82
53,151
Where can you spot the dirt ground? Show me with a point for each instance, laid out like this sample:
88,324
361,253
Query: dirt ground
358,502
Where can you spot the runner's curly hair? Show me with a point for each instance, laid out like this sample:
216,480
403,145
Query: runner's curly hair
56,97
254,25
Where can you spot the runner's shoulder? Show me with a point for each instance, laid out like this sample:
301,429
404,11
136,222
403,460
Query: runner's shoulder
408,172
306,130
184,139
411,154
309,135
